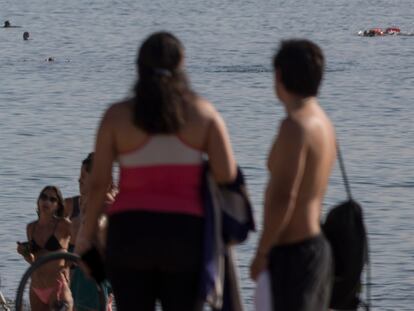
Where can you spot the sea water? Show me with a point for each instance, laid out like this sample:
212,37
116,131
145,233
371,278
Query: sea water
49,111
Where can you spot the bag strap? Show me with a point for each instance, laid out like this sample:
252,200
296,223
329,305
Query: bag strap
368,281
343,172
348,192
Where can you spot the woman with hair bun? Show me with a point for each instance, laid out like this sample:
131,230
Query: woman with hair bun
160,137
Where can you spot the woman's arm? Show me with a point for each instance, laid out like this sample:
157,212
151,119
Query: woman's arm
220,152
101,177
24,248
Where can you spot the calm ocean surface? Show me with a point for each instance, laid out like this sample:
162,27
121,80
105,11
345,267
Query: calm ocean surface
49,111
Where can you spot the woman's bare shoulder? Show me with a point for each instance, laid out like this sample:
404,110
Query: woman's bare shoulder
205,112
205,107
31,224
117,112
29,228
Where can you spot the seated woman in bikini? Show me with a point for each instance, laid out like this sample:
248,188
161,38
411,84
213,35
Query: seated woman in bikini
50,233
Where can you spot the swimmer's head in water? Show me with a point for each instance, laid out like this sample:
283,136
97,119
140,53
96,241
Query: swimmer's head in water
7,24
26,35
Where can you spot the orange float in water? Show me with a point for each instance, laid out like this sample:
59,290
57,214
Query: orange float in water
392,30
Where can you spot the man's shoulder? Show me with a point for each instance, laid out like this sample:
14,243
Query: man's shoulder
290,140
68,201
292,128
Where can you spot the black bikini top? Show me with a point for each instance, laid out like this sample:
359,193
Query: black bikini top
52,244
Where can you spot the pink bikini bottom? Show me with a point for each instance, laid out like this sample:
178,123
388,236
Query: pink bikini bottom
44,293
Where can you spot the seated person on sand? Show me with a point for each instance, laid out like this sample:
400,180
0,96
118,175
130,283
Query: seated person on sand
84,290
50,233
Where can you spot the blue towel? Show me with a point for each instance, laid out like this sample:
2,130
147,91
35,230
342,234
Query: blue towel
228,220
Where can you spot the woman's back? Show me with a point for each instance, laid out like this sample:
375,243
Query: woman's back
128,137
203,131
162,175
160,137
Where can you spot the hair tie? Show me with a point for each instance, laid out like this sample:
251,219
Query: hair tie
162,72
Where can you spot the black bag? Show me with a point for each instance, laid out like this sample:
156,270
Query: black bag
345,230
92,258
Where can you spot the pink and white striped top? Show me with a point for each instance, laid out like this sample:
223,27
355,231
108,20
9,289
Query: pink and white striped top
162,175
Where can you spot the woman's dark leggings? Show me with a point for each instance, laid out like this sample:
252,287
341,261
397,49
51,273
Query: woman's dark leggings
155,257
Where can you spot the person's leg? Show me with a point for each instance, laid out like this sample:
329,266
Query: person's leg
180,291
133,290
61,298
129,264
144,250
278,274
35,303
180,264
320,275
300,275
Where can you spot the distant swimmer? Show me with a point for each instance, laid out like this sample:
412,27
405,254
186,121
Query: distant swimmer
26,35
378,32
7,24
52,59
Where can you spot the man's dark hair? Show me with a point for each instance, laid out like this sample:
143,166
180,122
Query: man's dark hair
88,161
301,64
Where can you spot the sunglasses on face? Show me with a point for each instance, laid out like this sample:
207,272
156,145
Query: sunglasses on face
45,197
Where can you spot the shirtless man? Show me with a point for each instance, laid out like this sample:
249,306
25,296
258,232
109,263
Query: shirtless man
291,245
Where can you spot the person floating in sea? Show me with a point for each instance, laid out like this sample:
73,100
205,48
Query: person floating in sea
26,35
292,247
378,32
7,24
